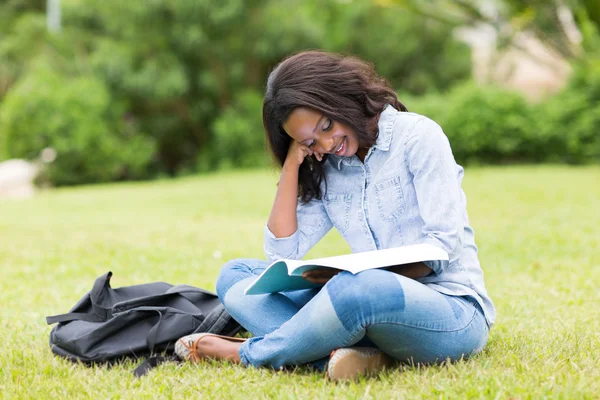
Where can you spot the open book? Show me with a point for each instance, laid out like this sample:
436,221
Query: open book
286,275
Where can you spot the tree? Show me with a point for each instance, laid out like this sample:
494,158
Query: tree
179,70
22,37
551,21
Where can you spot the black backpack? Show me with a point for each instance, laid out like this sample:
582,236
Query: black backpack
108,325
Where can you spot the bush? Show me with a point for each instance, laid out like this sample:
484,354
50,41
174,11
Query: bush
570,123
490,125
93,139
239,138
432,105
484,124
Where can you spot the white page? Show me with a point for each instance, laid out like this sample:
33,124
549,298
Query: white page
358,262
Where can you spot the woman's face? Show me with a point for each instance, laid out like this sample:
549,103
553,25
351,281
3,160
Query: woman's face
320,133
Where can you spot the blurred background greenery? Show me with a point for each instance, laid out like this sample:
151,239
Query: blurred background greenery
127,90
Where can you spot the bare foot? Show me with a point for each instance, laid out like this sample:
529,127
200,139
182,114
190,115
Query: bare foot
218,349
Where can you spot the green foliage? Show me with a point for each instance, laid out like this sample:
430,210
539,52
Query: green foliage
401,55
571,120
544,19
587,16
489,125
182,80
175,67
76,117
414,53
22,38
239,138
484,124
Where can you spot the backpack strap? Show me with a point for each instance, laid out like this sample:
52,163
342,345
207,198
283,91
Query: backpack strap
72,317
215,322
98,313
151,338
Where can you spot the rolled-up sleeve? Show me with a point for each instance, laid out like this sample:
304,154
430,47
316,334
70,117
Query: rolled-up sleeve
313,224
431,162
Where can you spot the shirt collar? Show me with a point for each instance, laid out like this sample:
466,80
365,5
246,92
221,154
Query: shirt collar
385,126
384,136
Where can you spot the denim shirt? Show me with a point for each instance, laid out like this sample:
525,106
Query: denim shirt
407,191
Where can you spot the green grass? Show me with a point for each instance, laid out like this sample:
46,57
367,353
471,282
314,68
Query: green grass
538,231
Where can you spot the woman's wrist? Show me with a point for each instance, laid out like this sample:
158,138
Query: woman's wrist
288,181
291,165
282,221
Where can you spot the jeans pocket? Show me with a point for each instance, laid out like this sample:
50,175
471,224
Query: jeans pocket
390,200
338,208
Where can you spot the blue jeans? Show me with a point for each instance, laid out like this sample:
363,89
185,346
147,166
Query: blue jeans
402,317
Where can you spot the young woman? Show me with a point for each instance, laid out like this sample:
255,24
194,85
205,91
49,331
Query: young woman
353,158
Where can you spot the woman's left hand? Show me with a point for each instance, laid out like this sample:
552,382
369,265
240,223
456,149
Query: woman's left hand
321,275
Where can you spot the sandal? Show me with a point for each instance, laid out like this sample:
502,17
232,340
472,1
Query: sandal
185,348
350,363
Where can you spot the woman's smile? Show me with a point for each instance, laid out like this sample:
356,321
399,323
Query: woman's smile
321,134
341,148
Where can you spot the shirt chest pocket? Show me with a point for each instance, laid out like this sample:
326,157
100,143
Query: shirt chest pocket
390,200
338,208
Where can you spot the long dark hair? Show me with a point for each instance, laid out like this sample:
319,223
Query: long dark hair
344,88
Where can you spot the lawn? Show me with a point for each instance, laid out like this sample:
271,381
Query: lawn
538,231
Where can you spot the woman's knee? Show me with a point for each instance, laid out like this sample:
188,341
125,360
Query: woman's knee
366,293
236,270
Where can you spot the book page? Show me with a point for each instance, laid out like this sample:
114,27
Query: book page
285,275
358,262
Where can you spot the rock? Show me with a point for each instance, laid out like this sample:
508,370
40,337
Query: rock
16,178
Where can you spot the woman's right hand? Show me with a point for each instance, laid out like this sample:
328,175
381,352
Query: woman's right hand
298,152
320,275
